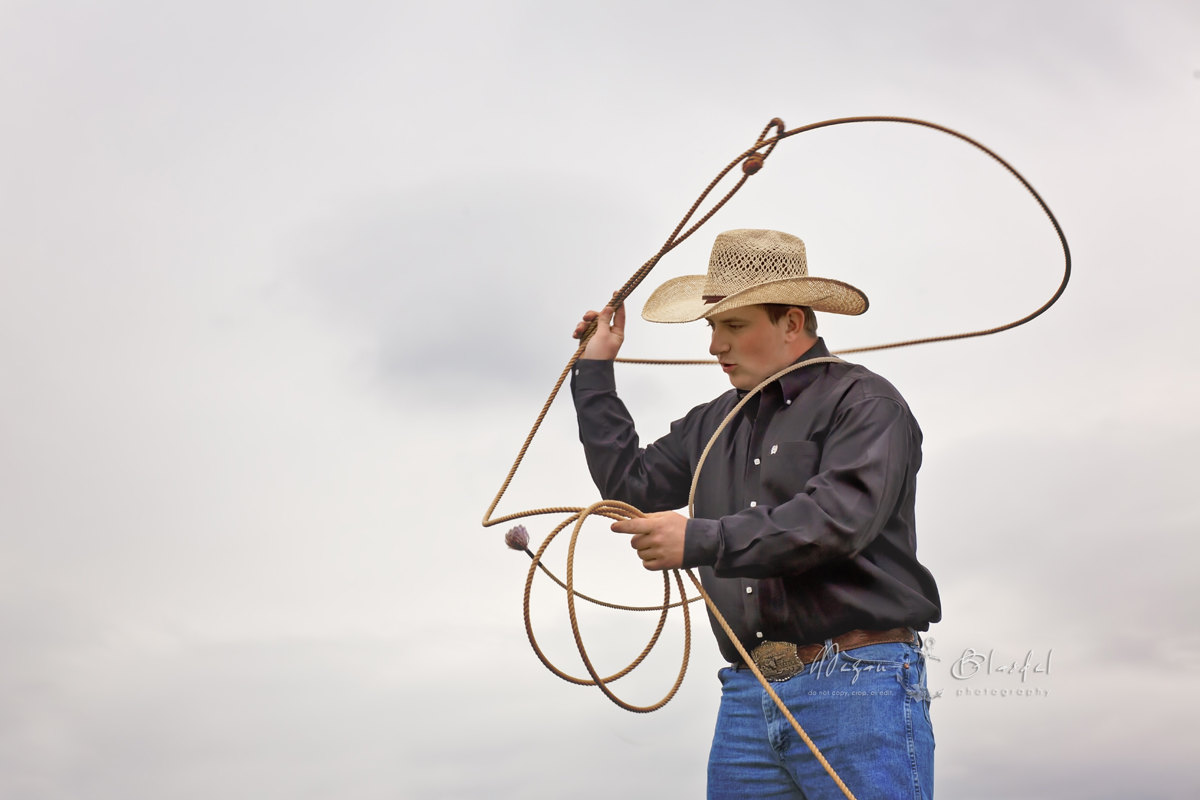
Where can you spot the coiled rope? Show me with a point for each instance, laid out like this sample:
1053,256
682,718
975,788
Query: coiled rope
751,160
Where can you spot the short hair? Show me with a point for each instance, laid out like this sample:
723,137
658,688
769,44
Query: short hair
777,311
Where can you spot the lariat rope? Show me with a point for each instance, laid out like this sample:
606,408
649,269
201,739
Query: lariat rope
752,160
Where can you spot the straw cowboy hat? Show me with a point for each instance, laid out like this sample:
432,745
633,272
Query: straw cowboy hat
749,267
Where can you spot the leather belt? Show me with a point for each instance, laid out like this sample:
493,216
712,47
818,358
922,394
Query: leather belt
779,661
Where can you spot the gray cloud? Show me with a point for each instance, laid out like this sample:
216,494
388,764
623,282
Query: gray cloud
478,279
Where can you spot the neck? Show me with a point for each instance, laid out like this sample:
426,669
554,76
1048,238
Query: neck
793,352
798,348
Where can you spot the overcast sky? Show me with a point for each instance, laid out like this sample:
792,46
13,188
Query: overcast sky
282,286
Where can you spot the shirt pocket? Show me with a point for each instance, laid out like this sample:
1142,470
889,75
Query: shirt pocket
786,468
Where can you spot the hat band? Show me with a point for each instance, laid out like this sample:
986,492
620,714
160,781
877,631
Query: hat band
709,299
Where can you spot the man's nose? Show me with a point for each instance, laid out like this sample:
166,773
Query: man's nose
716,347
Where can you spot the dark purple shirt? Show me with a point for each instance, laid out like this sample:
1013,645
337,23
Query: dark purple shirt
804,526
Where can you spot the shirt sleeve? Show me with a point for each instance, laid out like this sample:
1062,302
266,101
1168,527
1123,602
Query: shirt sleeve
655,478
863,468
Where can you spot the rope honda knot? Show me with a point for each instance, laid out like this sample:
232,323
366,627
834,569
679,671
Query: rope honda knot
753,164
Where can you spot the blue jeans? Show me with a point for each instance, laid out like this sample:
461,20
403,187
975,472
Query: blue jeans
866,709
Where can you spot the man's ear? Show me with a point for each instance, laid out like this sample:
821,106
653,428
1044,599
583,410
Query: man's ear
795,324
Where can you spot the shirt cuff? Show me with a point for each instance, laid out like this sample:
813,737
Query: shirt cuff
701,542
592,375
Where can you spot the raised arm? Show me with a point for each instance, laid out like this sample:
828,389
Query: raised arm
654,478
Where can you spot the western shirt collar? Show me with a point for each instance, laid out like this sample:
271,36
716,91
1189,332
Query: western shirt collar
796,382
792,384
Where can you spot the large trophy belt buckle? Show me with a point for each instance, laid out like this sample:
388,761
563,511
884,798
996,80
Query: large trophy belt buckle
777,661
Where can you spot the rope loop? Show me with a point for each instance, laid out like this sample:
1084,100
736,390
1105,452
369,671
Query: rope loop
612,510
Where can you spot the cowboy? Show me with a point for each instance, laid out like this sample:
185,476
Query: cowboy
803,528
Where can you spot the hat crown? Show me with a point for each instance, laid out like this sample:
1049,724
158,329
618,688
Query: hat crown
747,257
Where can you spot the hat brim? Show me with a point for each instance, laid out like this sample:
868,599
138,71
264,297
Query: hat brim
681,299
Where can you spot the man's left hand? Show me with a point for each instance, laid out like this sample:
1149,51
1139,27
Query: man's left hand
658,538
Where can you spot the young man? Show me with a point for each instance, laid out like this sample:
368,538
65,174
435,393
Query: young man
803,533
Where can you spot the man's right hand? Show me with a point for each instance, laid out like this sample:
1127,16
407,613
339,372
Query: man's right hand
610,333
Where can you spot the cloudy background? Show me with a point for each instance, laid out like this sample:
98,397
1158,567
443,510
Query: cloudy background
282,286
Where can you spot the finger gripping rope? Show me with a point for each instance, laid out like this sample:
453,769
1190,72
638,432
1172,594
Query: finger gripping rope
752,161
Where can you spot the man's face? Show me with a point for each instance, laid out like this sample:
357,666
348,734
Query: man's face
751,348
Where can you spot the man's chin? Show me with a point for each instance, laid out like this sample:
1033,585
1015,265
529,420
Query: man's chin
740,380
